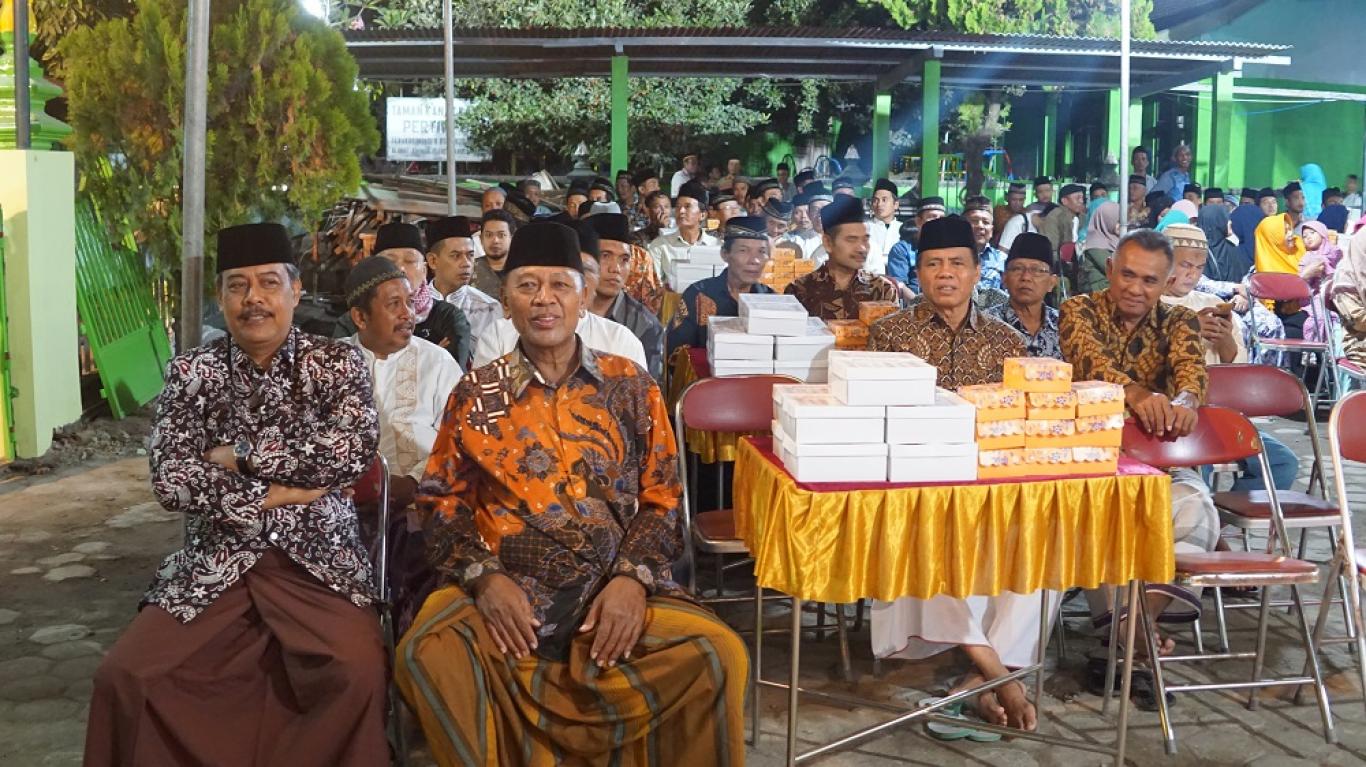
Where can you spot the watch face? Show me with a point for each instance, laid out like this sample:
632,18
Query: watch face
242,449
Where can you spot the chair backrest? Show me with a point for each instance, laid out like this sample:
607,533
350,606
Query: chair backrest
1276,286
1257,391
1221,435
1067,253
731,404
1347,429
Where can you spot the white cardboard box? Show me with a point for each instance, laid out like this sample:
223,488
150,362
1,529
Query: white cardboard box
815,371
886,393
815,345
782,391
836,463
723,368
951,419
705,254
932,463
775,314
880,366
727,340
812,417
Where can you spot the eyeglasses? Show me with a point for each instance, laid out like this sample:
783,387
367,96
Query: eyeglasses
1033,271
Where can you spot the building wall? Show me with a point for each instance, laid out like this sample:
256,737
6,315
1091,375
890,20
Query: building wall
1326,35
1281,138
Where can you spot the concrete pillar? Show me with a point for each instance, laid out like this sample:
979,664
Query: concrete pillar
929,128
38,201
882,134
1226,158
1202,168
621,97
1113,109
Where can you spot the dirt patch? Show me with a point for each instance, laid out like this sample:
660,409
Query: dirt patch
93,440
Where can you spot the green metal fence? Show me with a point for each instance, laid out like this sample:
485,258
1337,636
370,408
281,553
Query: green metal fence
118,315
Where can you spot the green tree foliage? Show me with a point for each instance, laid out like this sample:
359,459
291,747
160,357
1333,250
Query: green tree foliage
51,20
285,124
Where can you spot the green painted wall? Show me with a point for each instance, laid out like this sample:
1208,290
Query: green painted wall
1279,142
38,200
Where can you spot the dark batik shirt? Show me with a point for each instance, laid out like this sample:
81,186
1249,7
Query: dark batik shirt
645,325
703,300
560,488
820,296
965,356
1041,344
312,423
984,298
1163,354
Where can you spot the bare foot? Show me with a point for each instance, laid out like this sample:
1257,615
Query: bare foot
1165,645
987,707
1020,713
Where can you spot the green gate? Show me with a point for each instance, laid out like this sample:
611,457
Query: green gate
118,316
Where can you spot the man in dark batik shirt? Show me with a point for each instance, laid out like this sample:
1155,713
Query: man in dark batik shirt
610,299
745,251
1029,277
257,642
834,291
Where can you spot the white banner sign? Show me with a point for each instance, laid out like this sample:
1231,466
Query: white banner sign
415,129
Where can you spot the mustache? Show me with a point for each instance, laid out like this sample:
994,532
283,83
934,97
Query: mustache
252,314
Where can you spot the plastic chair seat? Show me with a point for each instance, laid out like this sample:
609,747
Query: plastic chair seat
1298,344
1351,368
1294,505
714,532
1242,564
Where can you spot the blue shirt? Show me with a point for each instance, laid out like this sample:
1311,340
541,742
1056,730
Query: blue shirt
993,262
1044,343
901,265
1172,183
703,300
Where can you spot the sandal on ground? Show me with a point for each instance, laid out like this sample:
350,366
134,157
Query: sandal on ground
1142,688
950,732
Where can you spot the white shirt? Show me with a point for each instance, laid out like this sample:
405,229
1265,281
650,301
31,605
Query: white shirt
598,333
479,307
1017,225
881,237
808,243
1195,301
669,247
411,388
680,178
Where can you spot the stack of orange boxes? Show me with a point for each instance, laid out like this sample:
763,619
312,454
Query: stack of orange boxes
852,335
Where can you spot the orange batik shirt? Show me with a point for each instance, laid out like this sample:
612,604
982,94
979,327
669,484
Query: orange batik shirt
558,487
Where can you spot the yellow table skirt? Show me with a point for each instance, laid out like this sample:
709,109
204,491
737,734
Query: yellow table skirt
686,366
960,540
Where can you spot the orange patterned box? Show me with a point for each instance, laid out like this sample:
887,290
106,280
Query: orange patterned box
1051,406
994,402
1098,398
1095,460
1000,435
1002,464
872,311
849,334
1100,431
1049,461
1049,434
1038,374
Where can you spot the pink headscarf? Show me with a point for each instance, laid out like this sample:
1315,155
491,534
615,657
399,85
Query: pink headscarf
1186,208
1327,252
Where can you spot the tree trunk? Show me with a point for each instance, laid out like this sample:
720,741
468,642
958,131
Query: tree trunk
976,144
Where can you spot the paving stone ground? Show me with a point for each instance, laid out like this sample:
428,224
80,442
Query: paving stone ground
77,550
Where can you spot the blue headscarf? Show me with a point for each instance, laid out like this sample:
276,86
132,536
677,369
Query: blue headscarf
1245,219
1086,219
1172,217
1313,182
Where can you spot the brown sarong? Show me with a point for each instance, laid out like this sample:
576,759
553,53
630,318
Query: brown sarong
678,700
280,670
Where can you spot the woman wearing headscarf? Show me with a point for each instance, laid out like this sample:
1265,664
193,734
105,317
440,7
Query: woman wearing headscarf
1174,216
1226,263
1187,209
1159,205
1347,295
1313,182
1244,220
1320,261
1102,236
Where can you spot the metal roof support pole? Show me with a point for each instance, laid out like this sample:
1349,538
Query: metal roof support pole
929,127
1226,160
22,102
1125,112
1049,150
448,44
192,176
621,102
882,134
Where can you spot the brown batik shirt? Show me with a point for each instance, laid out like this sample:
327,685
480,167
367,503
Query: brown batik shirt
822,298
965,356
1163,353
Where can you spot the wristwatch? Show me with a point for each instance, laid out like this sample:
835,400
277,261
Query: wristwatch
242,452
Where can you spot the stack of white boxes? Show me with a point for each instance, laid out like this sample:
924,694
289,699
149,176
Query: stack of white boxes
773,334
881,417
702,261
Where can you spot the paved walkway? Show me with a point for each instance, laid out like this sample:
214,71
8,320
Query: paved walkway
76,552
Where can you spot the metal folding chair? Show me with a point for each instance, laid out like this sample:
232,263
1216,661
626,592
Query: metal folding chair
378,475
1226,436
1290,287
1347,437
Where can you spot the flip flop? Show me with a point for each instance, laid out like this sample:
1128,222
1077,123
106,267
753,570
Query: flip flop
949,732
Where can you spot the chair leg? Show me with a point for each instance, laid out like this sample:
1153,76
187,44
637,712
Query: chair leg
1348,619
845,665
758,665
1061,631
1110,651
1220,620
1330,735
858,616
1260,658
1159,684
720,575
1197,638
1325,606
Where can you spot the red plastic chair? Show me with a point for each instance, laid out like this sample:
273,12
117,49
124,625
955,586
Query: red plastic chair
1347,437
1222,435
1274,286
